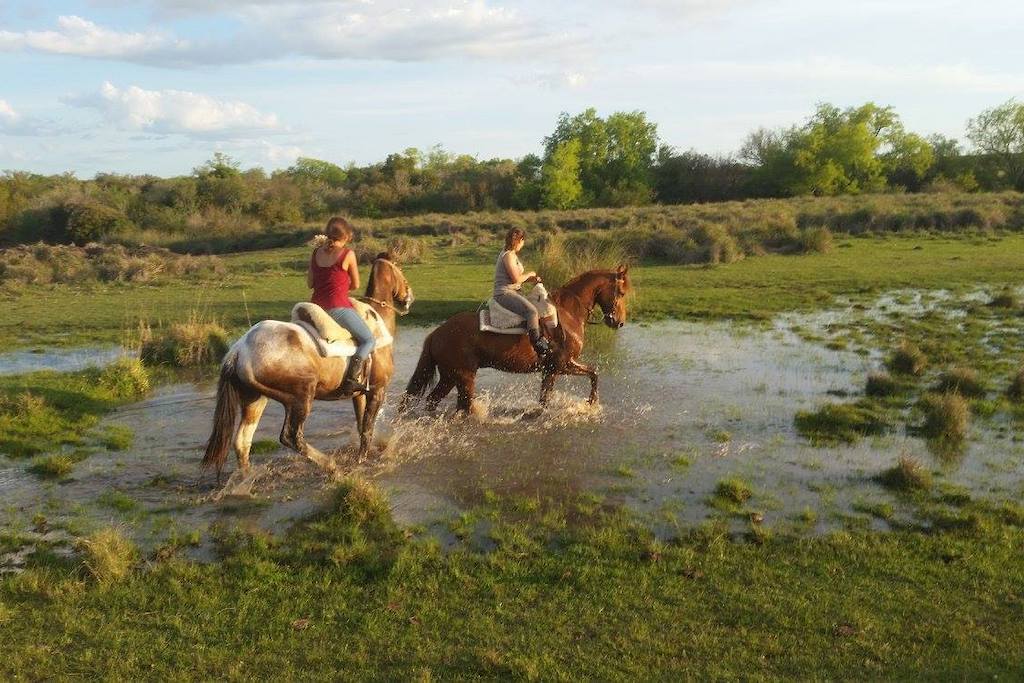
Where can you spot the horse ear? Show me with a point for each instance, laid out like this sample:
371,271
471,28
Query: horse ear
386,255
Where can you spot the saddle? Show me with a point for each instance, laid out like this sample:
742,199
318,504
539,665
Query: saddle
333,340
496,318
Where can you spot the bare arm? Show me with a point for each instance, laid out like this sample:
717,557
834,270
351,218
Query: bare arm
351,265
515,272
309,271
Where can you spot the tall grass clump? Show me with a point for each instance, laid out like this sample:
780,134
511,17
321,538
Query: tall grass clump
192,343
107,555
907,359
125,378
963,381
816,240
946,416
907,475
29,426
881,384
561,258
735,491
1016,389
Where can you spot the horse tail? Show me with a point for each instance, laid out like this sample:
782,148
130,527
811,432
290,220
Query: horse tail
423,376
224,415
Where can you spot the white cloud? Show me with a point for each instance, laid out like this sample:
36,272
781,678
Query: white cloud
345,29
554,80
166,112
83,38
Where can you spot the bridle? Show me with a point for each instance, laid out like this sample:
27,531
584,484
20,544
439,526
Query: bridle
388,304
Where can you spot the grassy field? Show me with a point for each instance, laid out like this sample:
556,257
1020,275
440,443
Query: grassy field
266,284
530,589
573,592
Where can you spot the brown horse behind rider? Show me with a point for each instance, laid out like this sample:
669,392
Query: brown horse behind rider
457,349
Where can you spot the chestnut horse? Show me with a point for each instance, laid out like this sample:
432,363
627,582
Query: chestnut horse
279,360
457,349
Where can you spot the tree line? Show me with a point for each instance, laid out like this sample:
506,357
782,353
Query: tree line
586,161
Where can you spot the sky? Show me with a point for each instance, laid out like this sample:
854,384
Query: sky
158,86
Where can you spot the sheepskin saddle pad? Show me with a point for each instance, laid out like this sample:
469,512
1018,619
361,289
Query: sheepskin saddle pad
331,339
496,318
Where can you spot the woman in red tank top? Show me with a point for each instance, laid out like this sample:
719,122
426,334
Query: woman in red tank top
333,271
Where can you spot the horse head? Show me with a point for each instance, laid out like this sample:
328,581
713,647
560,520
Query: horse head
388,284
611,297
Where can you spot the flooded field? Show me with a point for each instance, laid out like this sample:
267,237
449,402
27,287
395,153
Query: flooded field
685,407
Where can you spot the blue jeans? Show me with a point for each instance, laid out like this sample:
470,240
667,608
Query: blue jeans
354,323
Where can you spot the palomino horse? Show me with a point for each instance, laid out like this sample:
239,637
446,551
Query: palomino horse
279,360
457,349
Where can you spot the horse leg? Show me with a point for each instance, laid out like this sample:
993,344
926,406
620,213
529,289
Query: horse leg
368,421
465,384
546,384
252,409
359,408
296,413
577,368
444,387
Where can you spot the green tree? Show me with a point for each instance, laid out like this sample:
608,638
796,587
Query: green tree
561,187
317,170
999,132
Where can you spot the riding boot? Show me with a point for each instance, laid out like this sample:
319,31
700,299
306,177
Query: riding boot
353,383
541,345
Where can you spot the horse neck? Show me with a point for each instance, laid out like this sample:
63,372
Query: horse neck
382,292
579,296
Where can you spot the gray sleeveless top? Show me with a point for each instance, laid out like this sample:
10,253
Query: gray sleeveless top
502,282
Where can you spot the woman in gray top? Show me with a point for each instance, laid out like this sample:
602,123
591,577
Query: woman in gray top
509,277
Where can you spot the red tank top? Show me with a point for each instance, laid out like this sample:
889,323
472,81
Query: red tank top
330,283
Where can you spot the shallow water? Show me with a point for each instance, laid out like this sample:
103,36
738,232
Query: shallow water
58,360
684,405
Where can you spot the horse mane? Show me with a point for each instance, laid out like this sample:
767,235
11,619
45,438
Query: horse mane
369,281
579,282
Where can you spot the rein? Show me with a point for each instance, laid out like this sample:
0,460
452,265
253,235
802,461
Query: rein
386,304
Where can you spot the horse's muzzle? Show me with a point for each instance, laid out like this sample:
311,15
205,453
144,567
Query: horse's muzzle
611,322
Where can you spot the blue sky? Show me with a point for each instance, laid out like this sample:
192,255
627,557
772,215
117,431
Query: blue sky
157,86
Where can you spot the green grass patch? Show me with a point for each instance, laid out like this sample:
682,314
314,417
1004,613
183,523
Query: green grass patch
117,500
907,475
836,423
264,446
734,491
117,438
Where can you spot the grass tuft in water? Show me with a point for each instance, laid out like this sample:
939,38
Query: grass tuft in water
836,423
195,342
946,416
117,438
963,381
907,475
734,491
881,384
1016,389
52,466
264,446
108,556
907,359
125,378
1007,298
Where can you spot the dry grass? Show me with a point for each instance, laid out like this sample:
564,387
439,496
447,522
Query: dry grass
107,555
946,416
557,259
881,384
908,359
963,381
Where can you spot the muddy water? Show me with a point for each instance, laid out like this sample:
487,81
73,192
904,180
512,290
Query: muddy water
684,405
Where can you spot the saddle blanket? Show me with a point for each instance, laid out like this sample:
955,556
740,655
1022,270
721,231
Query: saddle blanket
496,318
333,340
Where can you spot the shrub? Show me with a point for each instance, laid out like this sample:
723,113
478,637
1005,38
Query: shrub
946,416
90,221
907,475
107,555
908,359
836,423
192,343
881,384
963,381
